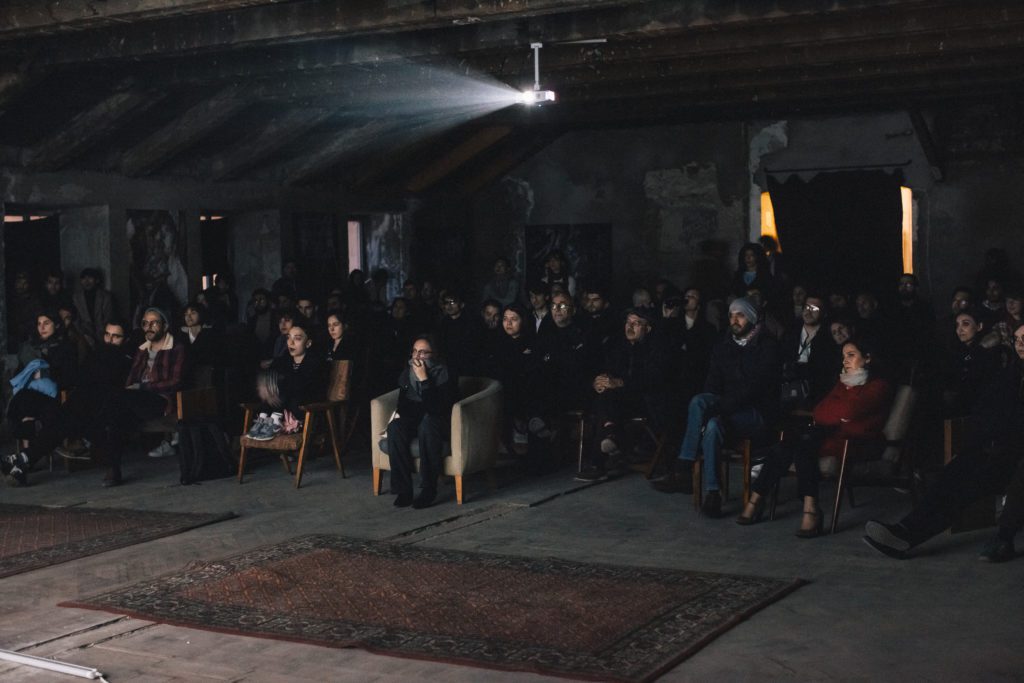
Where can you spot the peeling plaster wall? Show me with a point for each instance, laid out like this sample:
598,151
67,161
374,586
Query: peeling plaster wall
256,251
663,189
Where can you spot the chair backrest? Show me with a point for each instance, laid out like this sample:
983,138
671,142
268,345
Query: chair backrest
339,384
898,424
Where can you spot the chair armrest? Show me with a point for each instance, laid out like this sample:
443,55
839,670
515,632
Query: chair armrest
381,409
320,406
476,428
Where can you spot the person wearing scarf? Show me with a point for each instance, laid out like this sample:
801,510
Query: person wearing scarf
856,408
740,398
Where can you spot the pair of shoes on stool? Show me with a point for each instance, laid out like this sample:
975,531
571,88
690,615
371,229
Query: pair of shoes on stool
266,427
998,550
888,539
678,480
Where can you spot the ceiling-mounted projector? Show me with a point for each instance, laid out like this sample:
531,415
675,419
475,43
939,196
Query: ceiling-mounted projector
537,96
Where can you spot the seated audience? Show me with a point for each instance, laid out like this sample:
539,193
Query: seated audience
809,356
842,329
289,383
556,273
961,301
565,358
427,392
101,376
491,339
740,399
752,271
539,293
527,408
967,368
459,335
633,382
985,467
690,338
597,318
856,408
502,287
205,342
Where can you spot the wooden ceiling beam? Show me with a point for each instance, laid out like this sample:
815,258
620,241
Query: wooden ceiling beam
344,144
33,18
301,21
62,146
278,132
197,121
459,155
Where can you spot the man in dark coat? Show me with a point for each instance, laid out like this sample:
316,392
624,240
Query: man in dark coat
740,399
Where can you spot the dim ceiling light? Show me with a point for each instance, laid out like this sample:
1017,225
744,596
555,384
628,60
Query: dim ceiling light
537,96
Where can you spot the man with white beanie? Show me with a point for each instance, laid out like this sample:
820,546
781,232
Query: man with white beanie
740,399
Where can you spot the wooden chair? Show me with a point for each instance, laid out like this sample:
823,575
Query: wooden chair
982,513
337,398
197,402
741,454
858,456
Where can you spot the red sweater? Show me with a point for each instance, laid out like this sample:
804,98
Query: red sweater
856,412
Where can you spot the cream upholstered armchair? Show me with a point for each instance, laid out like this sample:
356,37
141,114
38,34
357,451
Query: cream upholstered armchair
476,424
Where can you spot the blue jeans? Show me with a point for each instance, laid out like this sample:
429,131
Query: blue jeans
706,430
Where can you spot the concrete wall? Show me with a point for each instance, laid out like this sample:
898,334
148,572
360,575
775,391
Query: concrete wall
663,190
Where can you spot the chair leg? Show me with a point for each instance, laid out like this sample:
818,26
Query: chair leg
773,500
659,444
698,484
241,460
849,494
302,450
579,445
746,471
839,489
377,476
458,489
334,443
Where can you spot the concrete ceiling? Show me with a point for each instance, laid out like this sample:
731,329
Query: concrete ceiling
349,93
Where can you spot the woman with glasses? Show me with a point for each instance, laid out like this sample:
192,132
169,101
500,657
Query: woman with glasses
427,392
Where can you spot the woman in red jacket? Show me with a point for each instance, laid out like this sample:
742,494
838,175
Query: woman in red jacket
857,407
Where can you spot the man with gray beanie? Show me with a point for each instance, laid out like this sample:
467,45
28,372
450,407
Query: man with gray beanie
740,399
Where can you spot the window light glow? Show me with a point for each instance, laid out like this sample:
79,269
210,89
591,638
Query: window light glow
768,219
907,197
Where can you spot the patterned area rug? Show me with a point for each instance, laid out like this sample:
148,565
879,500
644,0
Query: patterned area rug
547,616
32,537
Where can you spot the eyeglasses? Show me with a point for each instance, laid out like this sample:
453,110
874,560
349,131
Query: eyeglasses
561,307
450,302
152,323
1018,341
636,323
422,352
812,308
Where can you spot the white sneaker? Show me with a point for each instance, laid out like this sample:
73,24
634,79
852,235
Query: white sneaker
164,450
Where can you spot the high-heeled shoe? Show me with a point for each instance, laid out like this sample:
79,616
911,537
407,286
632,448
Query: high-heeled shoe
817,530
755,515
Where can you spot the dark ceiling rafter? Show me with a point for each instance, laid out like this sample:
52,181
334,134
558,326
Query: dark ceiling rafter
322,84
34,18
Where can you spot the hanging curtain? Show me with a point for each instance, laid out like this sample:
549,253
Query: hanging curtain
841,229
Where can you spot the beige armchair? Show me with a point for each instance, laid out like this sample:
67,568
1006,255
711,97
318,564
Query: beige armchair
476,425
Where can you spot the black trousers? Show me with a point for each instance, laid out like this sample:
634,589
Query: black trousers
966,479
432,432
1012,518
801,451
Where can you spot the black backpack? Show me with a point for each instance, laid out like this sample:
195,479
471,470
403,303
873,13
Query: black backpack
203,452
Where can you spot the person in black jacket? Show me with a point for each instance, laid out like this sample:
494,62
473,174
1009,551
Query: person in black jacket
986,467
690,338
459,333
741,397
809,355
101,376
426,394
967,368
633,382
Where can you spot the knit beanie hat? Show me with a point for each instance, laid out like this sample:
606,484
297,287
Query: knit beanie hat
743,305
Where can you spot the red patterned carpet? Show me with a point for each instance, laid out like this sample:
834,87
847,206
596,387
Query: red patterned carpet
32,537
547,616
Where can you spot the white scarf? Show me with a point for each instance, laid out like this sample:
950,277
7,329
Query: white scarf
854,378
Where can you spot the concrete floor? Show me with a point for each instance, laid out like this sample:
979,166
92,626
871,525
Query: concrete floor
941,616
